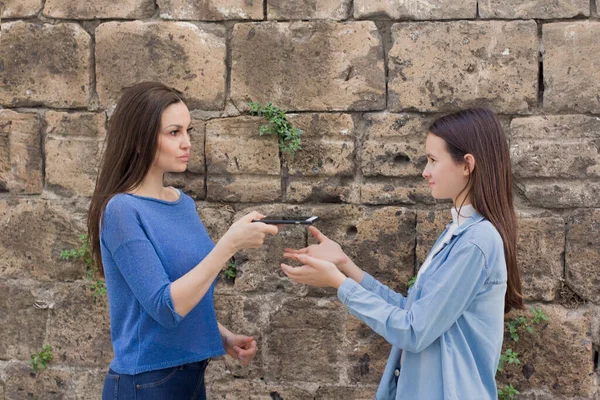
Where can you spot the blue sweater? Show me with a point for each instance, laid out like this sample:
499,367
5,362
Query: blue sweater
146,244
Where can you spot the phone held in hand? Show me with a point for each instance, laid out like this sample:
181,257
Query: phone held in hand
282,220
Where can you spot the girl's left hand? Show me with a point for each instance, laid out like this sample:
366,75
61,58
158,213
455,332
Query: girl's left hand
314,272
241,348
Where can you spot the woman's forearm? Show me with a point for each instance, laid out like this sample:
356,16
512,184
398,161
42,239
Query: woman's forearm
351,270
187,291
224,332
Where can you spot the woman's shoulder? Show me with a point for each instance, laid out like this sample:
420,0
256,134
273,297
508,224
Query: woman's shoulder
485,236
120,202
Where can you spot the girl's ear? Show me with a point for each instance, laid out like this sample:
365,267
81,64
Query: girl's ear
469,164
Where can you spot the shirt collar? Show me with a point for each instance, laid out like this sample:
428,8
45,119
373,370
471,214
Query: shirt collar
466,223
466,212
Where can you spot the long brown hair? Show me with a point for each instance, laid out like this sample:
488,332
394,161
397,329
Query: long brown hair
479,133
129,150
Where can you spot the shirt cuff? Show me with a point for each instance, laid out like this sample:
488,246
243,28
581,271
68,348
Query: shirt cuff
368,282
346,290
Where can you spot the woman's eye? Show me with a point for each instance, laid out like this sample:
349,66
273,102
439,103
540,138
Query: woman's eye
174,133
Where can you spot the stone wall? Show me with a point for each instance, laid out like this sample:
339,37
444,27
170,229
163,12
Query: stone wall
363,79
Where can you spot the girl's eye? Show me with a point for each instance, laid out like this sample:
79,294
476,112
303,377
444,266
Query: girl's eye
174,133
190,129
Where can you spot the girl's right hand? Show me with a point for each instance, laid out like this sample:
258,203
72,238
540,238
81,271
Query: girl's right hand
326,250
245,234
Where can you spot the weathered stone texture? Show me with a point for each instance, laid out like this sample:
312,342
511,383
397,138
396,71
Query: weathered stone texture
309,9
44,64
22,326
394,145
484,63
237,389
323,190
20,153
89,383
583,254
211,10
79,328
22,383
319,66
20,8
241,164
366,352
540,250
310,355
557,358
73,9
72,147
180,54
562,194
345,393
565,146
402,9
32,235
533,9
396,191
243,189
234,146
304,341
327,145
571,73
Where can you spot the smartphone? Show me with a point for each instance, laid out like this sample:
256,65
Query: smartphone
281,220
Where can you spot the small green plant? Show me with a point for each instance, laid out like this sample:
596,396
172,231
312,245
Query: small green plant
97,286
508,392
289,137
515,327
411,281
41,359
508,357
231,271
538,315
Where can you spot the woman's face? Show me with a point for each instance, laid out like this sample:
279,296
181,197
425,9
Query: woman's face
445,177
174,144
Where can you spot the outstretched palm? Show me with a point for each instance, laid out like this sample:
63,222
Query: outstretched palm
326,250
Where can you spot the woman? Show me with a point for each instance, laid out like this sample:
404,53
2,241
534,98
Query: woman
159,262
447,333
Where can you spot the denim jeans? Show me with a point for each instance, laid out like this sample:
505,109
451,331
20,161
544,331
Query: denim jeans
181,382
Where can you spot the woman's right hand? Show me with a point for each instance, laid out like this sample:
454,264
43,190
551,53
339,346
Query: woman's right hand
245,234
326,250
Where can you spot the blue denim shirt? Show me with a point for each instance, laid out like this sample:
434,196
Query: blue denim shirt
450,326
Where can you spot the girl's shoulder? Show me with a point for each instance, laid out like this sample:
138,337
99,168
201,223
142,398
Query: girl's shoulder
484,235
119,202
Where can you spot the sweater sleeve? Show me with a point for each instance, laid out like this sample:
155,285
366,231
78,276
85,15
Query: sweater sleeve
445,296
138,262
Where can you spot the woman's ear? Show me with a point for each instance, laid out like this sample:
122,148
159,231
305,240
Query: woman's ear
469,164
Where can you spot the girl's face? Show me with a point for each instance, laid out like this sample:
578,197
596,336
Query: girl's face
446,178
174,144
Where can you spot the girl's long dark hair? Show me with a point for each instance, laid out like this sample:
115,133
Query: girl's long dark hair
479,133
130,148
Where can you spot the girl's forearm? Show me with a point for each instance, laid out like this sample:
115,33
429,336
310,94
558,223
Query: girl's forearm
352,271
187,291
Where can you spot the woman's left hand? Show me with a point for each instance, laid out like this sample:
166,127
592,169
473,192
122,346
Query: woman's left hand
241,348
314,272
